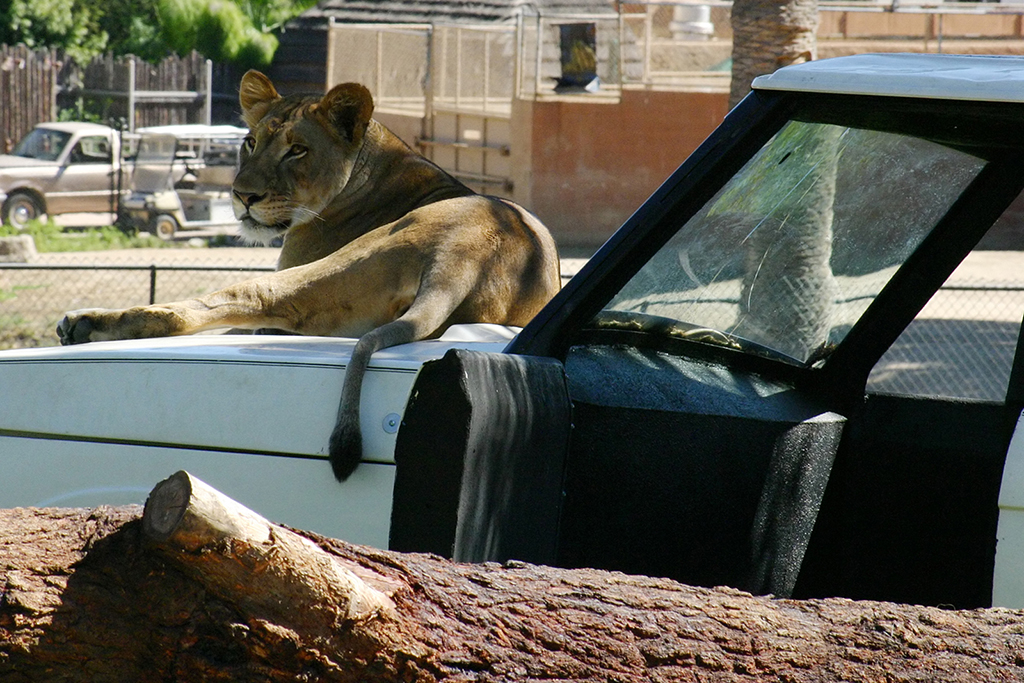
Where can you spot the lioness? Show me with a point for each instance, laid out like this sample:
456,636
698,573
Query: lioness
379,243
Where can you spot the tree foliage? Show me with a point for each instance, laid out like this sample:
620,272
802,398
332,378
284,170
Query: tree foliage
269,15
69,24
233,31
218,29
133,29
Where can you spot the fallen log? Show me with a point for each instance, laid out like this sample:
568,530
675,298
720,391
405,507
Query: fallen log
198,588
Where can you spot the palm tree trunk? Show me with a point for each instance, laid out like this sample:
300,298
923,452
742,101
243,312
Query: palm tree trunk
788,288
767,35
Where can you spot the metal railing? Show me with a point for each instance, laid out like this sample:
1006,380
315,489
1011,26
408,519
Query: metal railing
688,45
152,269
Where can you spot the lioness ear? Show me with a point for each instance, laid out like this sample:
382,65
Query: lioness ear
255,93
348,107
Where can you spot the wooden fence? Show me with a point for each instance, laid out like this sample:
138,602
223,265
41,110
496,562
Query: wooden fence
28,90
36,84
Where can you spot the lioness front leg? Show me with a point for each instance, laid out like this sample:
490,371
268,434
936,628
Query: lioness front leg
104,324
261,302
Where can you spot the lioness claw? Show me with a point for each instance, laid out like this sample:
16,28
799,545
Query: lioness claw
74,328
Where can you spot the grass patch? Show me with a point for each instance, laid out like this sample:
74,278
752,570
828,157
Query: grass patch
50,237
12,293
18,333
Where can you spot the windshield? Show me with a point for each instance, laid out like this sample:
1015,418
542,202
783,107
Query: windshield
794,248
44,144
156,148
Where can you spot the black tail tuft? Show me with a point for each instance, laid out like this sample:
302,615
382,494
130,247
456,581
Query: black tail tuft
345,451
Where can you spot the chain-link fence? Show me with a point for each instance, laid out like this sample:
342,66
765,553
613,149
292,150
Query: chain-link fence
457,84
688,45
685,46
392,60
678,45
417,69
960,346
473,69
34,296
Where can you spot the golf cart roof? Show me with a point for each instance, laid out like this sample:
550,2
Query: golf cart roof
994,78
190,130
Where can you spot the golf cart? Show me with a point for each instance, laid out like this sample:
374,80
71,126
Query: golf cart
182,179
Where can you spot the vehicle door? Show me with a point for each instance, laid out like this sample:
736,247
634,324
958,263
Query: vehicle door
86,180
718,348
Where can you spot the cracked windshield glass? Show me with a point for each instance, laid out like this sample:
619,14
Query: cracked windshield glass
794,248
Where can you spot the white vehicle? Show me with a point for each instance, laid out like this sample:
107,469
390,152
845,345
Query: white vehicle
248,414
61,168
181,179
695,403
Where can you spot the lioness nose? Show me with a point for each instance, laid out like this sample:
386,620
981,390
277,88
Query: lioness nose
248,198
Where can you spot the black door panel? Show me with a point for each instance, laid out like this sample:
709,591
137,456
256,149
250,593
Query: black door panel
698,474
911,509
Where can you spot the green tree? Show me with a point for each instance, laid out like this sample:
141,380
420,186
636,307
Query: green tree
133,28
269,15
224,30
73,25
236,31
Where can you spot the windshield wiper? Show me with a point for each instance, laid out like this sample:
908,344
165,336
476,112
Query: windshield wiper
656,325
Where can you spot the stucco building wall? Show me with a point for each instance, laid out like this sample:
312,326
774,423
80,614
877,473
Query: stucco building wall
584,167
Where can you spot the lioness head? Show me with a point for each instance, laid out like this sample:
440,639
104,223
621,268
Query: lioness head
298,155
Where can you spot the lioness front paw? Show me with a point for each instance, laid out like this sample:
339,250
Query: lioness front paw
79,327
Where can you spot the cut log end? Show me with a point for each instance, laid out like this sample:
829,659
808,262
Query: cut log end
247,560
189,513
166,506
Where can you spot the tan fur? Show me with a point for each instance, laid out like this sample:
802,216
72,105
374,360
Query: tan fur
379,244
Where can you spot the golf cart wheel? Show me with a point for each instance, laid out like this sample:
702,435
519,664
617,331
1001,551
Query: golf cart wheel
164,226
20,209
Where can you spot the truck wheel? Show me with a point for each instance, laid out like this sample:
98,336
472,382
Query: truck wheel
21,208
164,226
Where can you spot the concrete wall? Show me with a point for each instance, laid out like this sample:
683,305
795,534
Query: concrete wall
836,24
584,167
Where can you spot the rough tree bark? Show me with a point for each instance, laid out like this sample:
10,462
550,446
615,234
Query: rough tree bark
195,594
767,35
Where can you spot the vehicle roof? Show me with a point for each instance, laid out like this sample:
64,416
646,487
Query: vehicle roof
995,78
73,126
194,130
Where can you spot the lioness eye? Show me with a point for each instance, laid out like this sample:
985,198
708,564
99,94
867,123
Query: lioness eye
249,143
296,151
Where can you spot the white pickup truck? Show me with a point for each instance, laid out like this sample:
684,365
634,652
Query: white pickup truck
709,399
60,168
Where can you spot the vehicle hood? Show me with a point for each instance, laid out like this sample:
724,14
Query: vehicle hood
11,161
258,394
